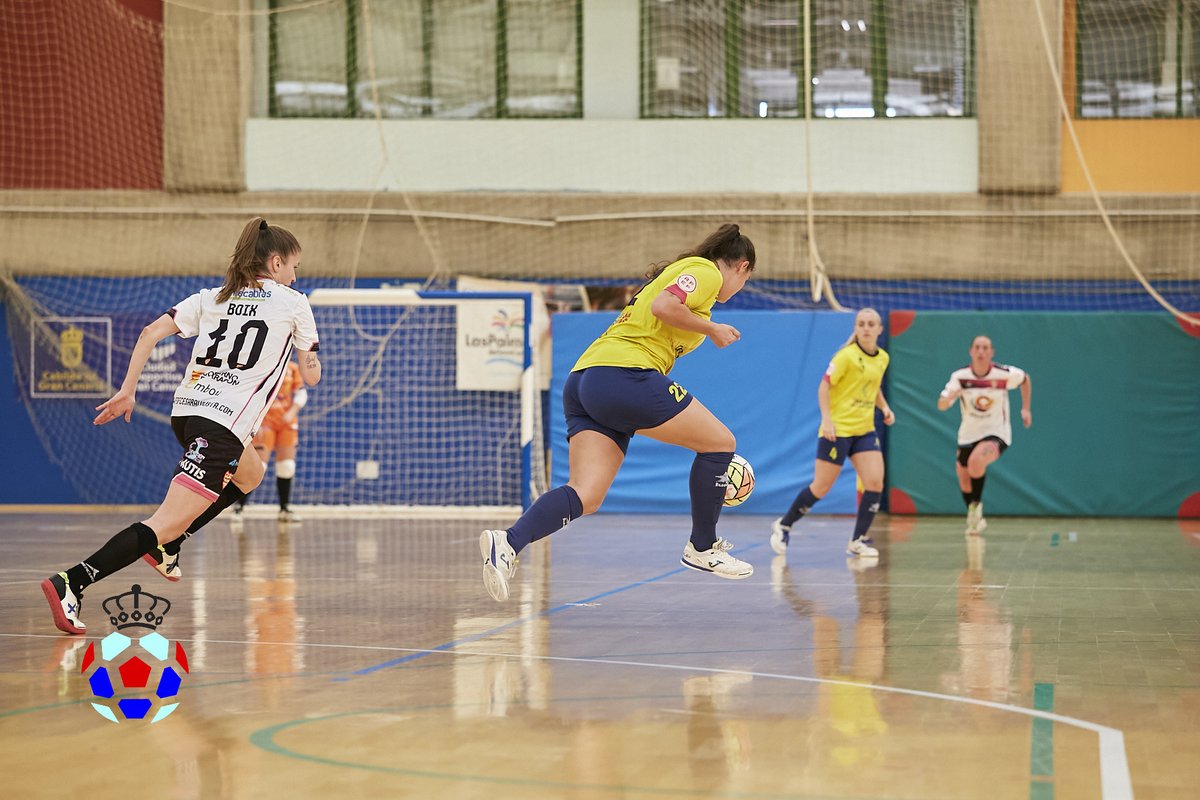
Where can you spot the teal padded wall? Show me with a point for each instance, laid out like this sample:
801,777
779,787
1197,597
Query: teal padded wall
1116,414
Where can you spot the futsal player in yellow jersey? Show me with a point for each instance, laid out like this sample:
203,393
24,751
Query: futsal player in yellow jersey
619,386
848,396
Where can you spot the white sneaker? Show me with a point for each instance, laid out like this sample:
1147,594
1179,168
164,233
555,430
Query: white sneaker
287,515
862,548
167,565
780,536
717,560
499,563
64,604
975,521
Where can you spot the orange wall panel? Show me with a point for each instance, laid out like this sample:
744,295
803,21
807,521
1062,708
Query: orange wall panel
1134,155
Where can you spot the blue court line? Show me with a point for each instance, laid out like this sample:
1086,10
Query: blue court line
395,662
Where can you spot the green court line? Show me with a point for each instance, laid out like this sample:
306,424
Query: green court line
265,739
1041,746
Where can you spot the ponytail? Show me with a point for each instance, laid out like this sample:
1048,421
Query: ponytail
725,243
258,242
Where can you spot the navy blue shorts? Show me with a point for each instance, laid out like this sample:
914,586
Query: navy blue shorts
836,452
965,450
619,401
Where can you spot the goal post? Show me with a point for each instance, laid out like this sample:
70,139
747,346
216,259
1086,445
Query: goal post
428,399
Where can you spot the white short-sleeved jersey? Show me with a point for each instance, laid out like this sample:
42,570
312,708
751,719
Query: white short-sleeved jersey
241,353
984,402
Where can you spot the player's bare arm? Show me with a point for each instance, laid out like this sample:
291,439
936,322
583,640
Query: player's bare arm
882,404
121,404
947,399
1026,401
310,367
828,429
672,311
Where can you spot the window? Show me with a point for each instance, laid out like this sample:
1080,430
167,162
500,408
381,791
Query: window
466,59
744,58
1137,58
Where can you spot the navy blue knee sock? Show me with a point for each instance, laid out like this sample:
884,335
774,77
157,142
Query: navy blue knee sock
117,553
707,486
800,506
868,507
549,513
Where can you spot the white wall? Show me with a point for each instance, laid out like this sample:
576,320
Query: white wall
612,155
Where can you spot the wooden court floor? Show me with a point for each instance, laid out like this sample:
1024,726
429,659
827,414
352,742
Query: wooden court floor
1050,658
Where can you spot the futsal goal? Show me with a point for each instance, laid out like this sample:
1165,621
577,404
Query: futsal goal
428,401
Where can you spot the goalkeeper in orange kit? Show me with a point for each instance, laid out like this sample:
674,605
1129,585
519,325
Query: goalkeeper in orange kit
280,433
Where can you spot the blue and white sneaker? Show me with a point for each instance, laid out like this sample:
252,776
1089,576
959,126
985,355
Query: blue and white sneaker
64,604
781,535
716,560
499,563
862,548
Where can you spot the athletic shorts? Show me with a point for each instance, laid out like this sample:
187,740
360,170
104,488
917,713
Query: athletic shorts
619,401
281,436
210,456
965,450
835,452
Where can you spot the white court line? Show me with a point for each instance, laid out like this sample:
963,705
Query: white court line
1115,780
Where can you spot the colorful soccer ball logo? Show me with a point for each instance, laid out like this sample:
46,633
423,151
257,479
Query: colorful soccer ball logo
741,481
135,679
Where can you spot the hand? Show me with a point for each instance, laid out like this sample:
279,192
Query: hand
888,416
1026,417
828,431
119,405
724,335
291,417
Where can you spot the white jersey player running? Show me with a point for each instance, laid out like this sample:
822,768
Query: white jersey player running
246,331
241,353
981,389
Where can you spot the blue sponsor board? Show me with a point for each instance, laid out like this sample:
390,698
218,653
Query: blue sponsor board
70,357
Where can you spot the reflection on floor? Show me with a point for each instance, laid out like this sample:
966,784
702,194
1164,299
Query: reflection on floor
362,658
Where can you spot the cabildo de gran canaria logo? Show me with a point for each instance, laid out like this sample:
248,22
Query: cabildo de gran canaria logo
131,682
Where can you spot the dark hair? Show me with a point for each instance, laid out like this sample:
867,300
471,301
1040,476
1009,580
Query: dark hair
258,242
726,243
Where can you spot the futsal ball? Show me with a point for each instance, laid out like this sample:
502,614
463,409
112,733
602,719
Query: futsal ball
134,679
741,481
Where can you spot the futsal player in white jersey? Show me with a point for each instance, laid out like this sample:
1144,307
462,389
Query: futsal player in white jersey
245,333
981,389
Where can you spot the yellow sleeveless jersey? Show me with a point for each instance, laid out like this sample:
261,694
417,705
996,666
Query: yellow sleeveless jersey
639,339
854,381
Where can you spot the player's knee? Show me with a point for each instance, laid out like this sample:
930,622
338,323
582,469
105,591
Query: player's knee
820,488
285,468
589,500
249,474
723,442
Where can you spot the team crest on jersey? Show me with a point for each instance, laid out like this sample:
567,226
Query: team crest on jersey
194,449
686,282
982,403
